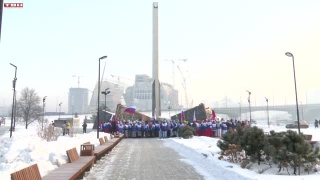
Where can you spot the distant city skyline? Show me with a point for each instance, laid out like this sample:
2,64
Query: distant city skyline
231,46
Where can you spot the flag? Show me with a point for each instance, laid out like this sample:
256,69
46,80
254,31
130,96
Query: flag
213,115
182,116
111,118
130,110
194,116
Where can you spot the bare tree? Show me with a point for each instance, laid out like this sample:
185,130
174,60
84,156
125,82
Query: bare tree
29,108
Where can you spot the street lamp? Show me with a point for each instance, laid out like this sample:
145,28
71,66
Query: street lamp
13,98
98,116
105,100
59,109
249,106
295,85
267,111
43,105
105,92
301,110
1,11
240,109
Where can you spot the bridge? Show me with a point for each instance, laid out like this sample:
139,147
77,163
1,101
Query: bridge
307,112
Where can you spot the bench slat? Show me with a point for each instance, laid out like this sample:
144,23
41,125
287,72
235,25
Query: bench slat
28,173
72,155
71,170
77,166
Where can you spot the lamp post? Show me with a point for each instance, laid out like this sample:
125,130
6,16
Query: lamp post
106,92
249,101
98,116
15,110
240,110
267,111
43,105
1,11
59,109
295,86
301,110
13,98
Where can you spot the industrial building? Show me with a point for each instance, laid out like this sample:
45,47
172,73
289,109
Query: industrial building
111,100
140,94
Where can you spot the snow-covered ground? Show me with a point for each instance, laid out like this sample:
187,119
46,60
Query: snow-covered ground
25,148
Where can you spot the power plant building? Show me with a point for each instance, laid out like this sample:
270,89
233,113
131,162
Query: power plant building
140,94
111,100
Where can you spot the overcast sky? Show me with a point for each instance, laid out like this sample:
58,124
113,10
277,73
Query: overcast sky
231,46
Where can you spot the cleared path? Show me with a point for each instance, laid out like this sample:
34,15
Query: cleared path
145,158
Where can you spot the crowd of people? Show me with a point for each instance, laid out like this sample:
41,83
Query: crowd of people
169,128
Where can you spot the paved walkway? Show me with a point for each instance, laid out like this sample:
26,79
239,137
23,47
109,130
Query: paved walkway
145,158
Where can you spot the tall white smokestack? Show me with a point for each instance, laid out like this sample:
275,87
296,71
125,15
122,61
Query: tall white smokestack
156,108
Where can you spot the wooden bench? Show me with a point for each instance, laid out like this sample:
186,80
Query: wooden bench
28,173
75,169
103,149
116,138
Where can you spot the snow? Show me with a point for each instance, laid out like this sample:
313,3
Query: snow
25,148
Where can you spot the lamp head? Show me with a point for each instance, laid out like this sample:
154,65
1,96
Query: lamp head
155,4
108,92
266,99
103,57
289,54
13,65
248,92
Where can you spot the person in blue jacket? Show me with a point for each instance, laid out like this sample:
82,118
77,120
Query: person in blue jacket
218,134
138,129
157,129
164,128
224,128
120,127
126,126
129,129
214,129
174,129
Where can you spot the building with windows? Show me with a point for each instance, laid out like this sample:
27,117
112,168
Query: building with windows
78,101
140,94
111,100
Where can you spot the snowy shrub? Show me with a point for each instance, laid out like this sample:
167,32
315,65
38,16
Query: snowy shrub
186,132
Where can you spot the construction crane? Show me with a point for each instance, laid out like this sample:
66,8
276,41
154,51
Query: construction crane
173,74
78,79
119,77
184,85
